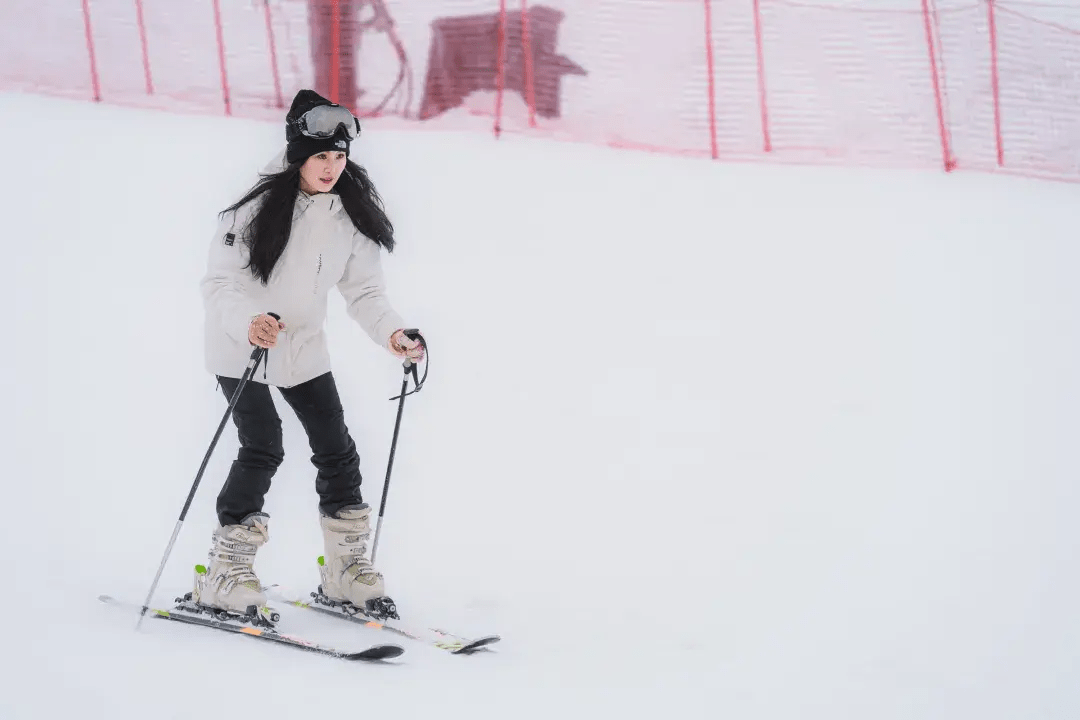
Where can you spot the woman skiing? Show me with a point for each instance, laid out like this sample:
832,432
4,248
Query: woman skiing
315,221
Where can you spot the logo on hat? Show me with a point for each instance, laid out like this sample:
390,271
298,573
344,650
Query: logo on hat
340,143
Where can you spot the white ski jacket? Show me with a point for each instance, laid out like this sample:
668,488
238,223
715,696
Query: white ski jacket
324,249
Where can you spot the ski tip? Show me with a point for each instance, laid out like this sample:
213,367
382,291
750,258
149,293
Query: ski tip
478,644
377,652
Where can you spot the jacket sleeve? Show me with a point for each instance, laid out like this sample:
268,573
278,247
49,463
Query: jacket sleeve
224,287
364,289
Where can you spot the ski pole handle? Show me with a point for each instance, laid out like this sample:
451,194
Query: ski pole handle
410,366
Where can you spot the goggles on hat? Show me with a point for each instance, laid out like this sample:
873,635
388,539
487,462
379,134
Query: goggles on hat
324,121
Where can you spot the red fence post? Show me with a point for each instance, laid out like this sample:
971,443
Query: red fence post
335,49
145,47
94,80
712,77
995,83
526,44
273,55
501,77
221,58
946,151
765,133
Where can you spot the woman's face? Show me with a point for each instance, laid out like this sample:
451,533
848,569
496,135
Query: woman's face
321,171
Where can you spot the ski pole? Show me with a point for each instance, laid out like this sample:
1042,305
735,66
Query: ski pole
410,368
257,356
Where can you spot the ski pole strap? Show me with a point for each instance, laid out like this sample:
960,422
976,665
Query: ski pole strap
410,366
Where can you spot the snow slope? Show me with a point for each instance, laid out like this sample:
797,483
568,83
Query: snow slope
699,440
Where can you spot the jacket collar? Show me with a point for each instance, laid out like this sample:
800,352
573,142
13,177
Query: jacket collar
321,202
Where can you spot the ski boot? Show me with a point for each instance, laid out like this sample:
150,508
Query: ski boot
229,589
349,582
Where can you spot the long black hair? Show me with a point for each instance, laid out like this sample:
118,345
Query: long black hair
268,231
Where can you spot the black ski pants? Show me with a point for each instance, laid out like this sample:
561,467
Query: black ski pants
318,407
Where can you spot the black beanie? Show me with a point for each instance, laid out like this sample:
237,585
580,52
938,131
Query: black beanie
300,146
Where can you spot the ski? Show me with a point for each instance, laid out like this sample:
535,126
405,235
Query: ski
323,605
265,632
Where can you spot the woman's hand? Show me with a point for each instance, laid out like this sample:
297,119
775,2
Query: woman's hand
406,348
263,331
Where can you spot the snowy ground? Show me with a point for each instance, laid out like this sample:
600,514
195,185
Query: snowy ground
699,440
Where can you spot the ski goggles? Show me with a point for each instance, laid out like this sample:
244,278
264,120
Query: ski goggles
325,121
